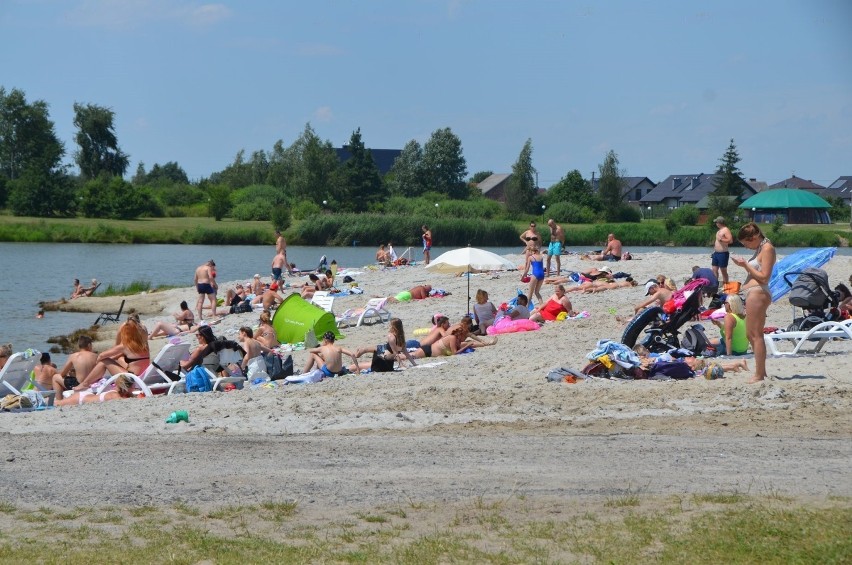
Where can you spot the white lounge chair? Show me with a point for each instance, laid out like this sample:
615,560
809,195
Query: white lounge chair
817,336
154,379
373,311
15,375
322,299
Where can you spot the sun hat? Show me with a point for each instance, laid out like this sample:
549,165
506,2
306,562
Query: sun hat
256,275
649,285
606,270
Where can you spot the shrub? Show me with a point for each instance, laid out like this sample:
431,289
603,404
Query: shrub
281,217
685,215
568,212
253,210
304,208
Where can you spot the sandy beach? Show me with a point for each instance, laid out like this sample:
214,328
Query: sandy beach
476,424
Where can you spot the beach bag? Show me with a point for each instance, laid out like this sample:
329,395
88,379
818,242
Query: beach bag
672,369
731,287
694,339
278,369
241,308
198,380
380,364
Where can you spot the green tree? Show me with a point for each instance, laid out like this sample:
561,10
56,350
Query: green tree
445,166
610,186
30,153
359,177
282,163
236,175
575,189
98,145
480,176
315,170
521,192
168,174
407,175
114,198
729,180
220,201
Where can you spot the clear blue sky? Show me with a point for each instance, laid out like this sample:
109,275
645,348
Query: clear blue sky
664,84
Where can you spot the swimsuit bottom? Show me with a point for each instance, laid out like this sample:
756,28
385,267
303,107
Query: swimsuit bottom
205,288
330,374
427,350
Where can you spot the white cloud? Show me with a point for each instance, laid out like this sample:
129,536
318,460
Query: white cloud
323,114
136,13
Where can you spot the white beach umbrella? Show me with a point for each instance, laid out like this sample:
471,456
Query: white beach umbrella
469,260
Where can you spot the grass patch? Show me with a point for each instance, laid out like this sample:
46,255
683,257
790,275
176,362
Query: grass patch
134,287
746,529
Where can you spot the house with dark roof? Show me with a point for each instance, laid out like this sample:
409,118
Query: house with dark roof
636,188
796,182
679,190
841,188
494,186
757,185
383,158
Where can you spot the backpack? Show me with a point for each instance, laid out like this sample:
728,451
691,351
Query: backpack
694,339
197,380
277,369
381,364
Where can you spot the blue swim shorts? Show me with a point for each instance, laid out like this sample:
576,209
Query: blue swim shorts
555,248
205,288
276,274
720,259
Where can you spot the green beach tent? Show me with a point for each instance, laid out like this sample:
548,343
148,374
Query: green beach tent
296,316
792,205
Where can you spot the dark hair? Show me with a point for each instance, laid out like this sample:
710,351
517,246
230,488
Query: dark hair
207,333
45,358
843,290
84,341
184,305
328,336
247,330
523,300
749,230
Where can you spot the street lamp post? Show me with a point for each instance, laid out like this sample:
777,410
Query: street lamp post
649,211
436,209
542,209
753,214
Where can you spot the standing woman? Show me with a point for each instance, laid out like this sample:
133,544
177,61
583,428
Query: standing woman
756,291
427,244
535,266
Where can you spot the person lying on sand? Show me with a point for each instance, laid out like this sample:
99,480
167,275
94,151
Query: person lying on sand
184,319
123,389
600,286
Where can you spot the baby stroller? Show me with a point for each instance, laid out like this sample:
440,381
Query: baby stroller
660,331
812,294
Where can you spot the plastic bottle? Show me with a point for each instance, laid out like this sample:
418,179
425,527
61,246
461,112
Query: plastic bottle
178,416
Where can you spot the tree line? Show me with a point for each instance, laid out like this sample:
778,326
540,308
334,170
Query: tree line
295,181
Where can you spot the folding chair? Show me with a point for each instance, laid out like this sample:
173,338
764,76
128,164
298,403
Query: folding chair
322,299
110,316
160,374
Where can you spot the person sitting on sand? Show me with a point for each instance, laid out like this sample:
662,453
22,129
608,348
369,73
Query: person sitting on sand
467,338
484,311
521,309
254,364
45,371
184,320
554,306
394,344
844,297
612,252
78,290
208,350
79,363
446,346
265,333
123,389
439,329
269,299
309,288
733,328
238,294
382,257
655,293
5,353
328,357
666,282
130,355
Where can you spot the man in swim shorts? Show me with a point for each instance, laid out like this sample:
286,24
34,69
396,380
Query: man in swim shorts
721,255
329,357
427,244
204,285
557,240
278,264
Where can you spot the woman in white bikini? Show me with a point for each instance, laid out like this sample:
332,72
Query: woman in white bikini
756,291
123,389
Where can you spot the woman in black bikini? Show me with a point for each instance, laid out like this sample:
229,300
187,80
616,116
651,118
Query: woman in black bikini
129,355
531,239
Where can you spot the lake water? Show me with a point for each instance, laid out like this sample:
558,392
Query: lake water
33,272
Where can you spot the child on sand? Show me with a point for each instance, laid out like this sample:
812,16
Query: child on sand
484,311
328,357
